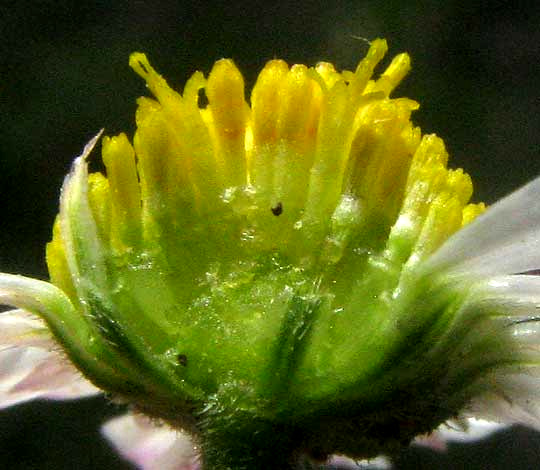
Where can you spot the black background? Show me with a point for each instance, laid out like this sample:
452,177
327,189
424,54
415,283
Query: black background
64,75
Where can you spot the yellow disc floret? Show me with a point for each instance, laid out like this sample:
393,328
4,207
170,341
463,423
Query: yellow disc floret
315,143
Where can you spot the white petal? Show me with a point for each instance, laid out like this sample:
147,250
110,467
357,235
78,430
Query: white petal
470,429
378,463
31,366
151,446
512,398
19,328
509,306
503,240
517,300
514,304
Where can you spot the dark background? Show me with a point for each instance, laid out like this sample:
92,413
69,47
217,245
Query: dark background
64,75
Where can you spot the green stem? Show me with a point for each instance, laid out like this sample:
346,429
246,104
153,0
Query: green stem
240,426
248,446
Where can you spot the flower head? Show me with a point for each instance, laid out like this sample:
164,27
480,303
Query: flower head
301,275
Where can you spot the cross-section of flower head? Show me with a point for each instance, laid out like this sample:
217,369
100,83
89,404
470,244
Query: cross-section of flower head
300,275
